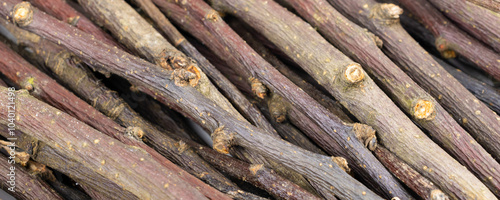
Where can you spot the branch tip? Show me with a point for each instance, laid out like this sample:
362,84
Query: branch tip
438,195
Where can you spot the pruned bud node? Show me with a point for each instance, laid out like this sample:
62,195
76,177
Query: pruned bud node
354,73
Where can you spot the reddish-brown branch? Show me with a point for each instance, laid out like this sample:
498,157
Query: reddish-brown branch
451,38
156,82
198,18
421,185
25,185
227,88
64,12
478,21
415,101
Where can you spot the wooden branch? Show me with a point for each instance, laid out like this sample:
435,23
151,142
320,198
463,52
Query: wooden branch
421,185
352,87
338,133
124,22
255,174
416,102
73,141
476,20
248,110
155,82
474,116
489,95
64,12
451,38
25,185
66,67
493,5
333,106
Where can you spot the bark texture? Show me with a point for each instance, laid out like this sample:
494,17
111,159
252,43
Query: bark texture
138,35
64,12
27,186
482,123
450,39
67,68
249,111
416,102
348,83
478,21
71,143
335,133
155,82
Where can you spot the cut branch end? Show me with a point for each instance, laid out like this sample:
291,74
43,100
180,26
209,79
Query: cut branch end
438,195
354,73
365,134
424,109
22,14
342,163
222,140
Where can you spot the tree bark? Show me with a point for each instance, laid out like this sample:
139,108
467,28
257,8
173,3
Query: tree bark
489,95
249,111
482,123
71,143
255,174
333,106
421,185
361,45
493,5
478,21
348,83
159,83
450,39
67,68
248,63
27,186
64,12
27,76
138,35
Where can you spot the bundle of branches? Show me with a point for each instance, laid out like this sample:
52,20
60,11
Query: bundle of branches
301,99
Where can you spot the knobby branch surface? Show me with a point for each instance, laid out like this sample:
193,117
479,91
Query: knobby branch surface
138,35
348,83
481,122
198,18
28,186
416,102
249,111
112,164
67,68
421,185
478,21
157,82
64,12
477,83
450,39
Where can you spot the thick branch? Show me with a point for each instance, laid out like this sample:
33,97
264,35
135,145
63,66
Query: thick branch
25,185
155,82
482,123
478,21
243,58
67,68
64,12
111,160
138,35
451,38
416,102
421,185
227,88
